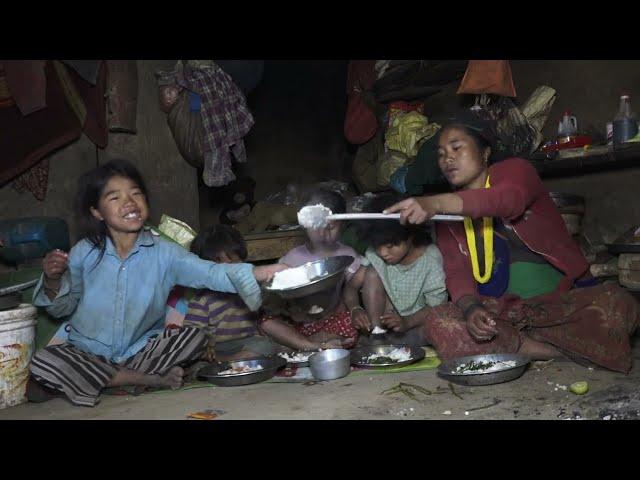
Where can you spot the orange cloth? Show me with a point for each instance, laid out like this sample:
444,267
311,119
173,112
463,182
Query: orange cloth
488,76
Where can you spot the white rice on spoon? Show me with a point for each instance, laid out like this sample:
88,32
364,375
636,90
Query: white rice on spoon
314,216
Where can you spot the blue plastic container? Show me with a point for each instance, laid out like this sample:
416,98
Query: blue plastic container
32,237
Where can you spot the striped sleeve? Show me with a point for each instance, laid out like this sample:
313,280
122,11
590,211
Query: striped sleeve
198,312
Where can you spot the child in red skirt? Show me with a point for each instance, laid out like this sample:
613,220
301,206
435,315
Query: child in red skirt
322,319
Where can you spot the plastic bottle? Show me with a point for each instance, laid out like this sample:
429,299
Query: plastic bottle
568,125
625,125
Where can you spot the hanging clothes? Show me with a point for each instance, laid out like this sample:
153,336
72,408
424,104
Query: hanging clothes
226,120
34,180
122,90
6,100
488,76
27,83
360,124
72,105
88,70
25,140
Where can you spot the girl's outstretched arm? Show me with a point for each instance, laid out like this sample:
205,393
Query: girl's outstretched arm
189,270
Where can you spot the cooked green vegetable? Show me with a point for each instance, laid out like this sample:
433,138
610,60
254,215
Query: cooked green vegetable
473,366
381,360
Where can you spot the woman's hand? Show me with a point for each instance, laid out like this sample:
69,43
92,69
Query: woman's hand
481,324
55,263
342,342
393,321
360,319
265,273
415,210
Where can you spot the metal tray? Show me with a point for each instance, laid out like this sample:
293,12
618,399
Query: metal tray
270,366
359,353
507,374
325,273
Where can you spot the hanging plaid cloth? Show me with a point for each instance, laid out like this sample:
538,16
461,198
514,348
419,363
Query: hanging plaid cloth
225,119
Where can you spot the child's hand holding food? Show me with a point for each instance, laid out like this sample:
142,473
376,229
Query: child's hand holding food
265,273
54,264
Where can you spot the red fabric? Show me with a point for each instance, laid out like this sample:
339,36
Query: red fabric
488,76
360,123
361,75
592,324
175,294
26,140
338,324
407,106
27,84
518,196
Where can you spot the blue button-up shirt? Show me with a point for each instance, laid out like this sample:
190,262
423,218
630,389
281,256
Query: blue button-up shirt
116,305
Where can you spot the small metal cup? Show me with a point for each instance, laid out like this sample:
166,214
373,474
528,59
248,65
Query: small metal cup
330,364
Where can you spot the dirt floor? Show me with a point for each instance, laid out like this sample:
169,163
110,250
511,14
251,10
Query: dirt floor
541,393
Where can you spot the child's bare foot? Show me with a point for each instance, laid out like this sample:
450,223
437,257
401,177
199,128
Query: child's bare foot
172,379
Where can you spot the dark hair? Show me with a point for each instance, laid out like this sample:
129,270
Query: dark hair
90,188
384,232
479,139
329,198
217,239
481,130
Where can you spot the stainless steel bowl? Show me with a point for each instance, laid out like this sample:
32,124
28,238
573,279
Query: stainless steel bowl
447,369
324,274
330,364
270,365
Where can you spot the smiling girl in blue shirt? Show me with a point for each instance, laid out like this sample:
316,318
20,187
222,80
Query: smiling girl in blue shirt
114,284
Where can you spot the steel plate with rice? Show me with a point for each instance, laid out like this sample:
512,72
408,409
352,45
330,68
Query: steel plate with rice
319,276
484,369
242,372
381,356
296,359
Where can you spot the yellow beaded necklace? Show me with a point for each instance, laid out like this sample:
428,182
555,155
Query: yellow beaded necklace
487,235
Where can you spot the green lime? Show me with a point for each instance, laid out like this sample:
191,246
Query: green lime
579,388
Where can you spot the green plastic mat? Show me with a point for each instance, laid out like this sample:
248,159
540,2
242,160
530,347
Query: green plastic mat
427,363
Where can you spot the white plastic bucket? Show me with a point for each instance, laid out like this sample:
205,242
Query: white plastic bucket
17,341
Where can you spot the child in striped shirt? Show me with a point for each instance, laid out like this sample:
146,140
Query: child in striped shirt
228,323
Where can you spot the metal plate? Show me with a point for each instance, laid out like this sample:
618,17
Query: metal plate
358,355
270,365
18,287
507,374
324,274
301,364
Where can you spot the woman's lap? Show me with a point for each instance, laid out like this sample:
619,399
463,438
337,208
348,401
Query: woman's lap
592,323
